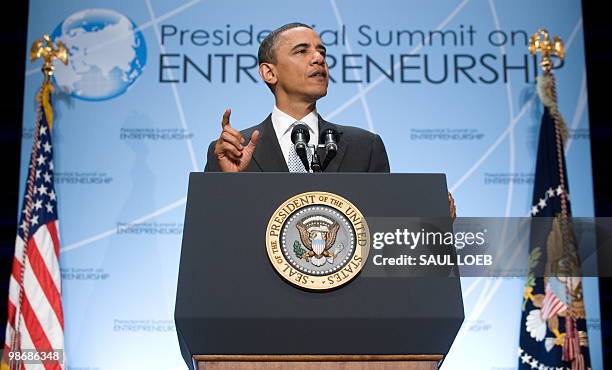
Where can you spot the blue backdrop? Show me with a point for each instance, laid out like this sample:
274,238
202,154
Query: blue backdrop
448,84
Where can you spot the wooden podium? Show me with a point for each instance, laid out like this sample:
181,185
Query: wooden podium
313,362
234,311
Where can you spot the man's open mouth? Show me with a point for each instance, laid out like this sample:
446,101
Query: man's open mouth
319,74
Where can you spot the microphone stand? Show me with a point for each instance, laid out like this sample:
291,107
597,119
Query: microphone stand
315,162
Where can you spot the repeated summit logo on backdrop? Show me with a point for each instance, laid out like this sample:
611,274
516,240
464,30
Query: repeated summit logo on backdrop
143,93
107,54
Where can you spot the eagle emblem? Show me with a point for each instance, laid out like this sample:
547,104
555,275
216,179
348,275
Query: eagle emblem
318,234
312,236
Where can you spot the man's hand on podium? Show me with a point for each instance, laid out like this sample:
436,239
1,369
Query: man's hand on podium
231,154
451,204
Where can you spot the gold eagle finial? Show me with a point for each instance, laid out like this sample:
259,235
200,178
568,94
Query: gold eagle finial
540,42
45,49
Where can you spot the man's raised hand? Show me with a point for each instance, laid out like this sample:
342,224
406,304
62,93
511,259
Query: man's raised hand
453,207
232,155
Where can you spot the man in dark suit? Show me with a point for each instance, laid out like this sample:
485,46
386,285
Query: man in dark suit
358,151
292,63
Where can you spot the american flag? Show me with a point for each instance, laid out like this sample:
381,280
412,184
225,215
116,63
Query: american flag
35,317
551,305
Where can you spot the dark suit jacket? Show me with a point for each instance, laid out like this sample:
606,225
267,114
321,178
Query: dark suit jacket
358,150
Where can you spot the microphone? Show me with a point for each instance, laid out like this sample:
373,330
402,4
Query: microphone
300,138
330,139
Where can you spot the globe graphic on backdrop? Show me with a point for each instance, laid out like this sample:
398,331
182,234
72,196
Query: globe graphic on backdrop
106,54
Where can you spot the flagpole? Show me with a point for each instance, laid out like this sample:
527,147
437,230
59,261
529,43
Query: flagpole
547,89
540,42
46,50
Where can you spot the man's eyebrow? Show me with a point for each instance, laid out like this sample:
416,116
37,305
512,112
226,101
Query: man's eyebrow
302,45
305,45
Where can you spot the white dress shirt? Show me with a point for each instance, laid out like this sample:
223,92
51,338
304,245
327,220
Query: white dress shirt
283,124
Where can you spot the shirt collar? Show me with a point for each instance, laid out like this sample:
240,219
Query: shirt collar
282,122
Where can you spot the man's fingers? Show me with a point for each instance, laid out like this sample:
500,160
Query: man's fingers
227,149
235,133
227,137
231,156
453,207
231,149
227,127
226,116
253,141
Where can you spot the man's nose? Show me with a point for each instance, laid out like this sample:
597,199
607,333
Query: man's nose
318,57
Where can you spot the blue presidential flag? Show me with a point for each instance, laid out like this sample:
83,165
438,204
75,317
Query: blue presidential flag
553,331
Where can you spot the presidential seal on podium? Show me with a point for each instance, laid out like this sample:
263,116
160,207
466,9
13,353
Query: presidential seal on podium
317,240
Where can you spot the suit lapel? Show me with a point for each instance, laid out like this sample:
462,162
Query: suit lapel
268,154
342,145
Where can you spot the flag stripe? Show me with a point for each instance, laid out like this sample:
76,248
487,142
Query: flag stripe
26,343
43,311
13,293
8,337
16,273
19,244
10,320
47,283
26,340
44,237
37,337
13,296
52,229
12,306
551,305
10,324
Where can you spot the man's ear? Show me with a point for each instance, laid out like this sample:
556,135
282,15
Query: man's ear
267,71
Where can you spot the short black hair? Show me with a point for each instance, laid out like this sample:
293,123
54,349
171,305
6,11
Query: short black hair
266,53
267,48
